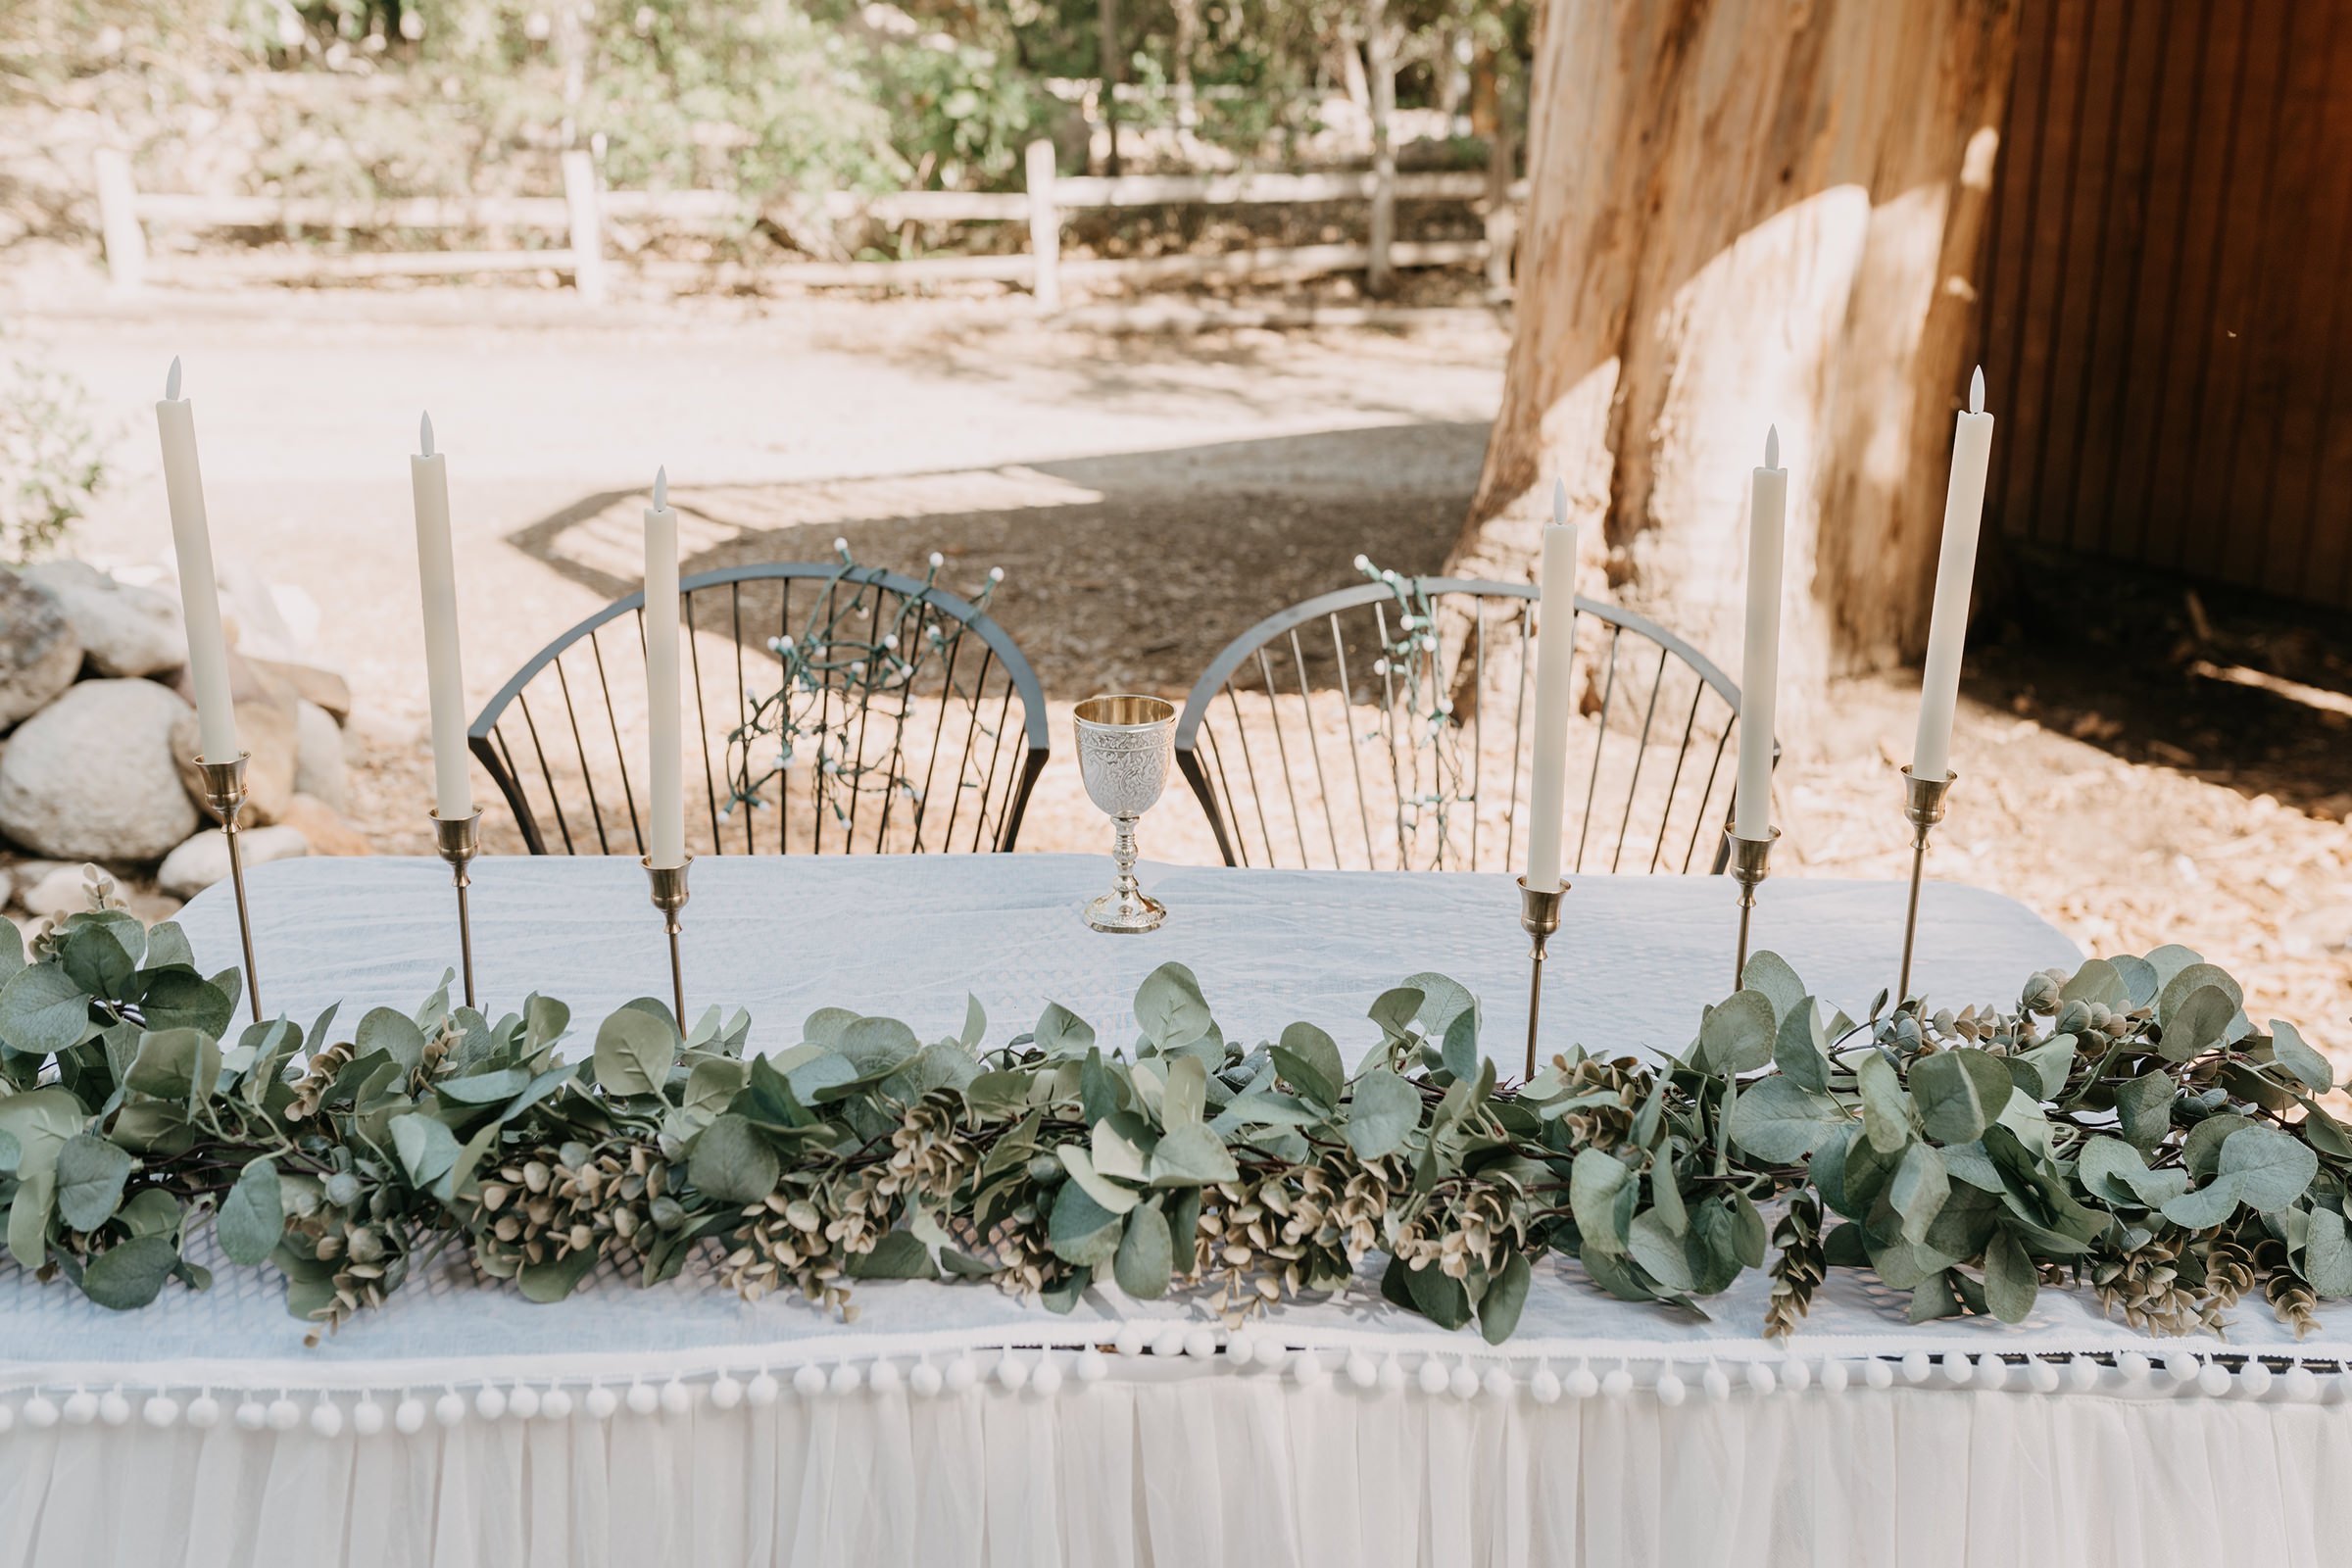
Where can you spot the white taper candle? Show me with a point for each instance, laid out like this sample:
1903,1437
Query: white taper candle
1555,665
199,594
666,809
1955,575
1760,660
444,675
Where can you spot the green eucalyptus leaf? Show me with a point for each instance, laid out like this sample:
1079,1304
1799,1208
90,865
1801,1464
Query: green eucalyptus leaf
2144,1107
877,1046
2308,1065
2272,1169
1800,1049
130,1274
393,1033
1738,1036
427,1149
1109,1194
1600,1196
1459,1052
2206,1206
43,1012
1919,1190
1506,1296
100,951
1147,1255
1080,1230
178,999
1770,974
1191,1155
2327,1256
2010,1279
181,1064
1183,1098
253,1216
1885,1109
1442,1002
732,1163
2097,981
2200,1022
1959,1093
634,1050
1382,1110
1309,1061
2187,981
1169,1009
90,1174
1778,1122
899,1255
553,1279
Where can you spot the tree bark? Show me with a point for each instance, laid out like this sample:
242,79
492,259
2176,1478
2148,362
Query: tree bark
1379,57
1188,39
1106,17
1748,213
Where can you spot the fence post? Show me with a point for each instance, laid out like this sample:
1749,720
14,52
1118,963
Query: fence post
1045,228
1503,218
119,221
587,226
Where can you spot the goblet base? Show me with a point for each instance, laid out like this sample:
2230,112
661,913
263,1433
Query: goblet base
1122,912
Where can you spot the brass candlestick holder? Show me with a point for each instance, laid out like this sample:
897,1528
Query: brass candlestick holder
1922,808
1538,917
669,897
1751,864
458,841
225,796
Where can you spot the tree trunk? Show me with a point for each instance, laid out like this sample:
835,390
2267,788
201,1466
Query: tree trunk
1379,56
1188,39
1743,214
1107,16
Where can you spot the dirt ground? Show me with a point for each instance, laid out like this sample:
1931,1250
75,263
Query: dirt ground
2149,771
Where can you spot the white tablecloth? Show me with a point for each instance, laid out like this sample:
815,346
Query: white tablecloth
1347,1431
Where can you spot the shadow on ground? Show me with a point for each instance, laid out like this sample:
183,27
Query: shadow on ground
2236,689
1128,570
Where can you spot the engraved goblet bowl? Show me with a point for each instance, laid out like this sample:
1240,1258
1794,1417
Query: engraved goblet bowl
1126,743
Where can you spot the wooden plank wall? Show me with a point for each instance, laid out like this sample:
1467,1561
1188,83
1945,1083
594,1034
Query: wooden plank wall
2168,320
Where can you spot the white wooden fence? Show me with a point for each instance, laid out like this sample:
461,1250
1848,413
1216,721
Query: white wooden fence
578,217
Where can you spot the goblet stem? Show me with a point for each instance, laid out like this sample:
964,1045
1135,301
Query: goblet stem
1123,854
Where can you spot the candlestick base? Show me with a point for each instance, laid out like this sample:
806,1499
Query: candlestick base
1922,809
669,897
1751,864
223,785
457,841
1538,917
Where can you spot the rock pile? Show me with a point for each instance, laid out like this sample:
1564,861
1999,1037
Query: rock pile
97,739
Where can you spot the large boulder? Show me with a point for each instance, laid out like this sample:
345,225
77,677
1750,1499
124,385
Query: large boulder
124,629
267,729
90,777
204,859
39,653
321,823
318,756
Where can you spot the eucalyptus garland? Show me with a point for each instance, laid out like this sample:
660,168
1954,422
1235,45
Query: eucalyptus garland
2123,1129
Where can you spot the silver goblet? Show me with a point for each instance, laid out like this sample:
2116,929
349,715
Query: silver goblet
1126,744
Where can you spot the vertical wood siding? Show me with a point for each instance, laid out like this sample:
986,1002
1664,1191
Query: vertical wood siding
2168,290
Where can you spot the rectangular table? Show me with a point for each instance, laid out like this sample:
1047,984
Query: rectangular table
680,1424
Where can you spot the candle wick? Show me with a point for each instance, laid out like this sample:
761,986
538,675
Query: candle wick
425,432
1772,446
172,382
661,489
1976,391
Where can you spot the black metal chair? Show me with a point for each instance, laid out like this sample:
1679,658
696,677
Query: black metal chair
834,708
1361,721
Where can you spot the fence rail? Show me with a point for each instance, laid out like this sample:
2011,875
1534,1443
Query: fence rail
577,220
